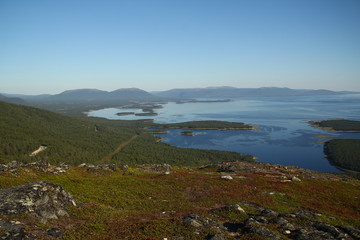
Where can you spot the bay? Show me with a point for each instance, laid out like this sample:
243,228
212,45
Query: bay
284,136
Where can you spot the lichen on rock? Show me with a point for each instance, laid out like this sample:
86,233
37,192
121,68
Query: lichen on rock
43,200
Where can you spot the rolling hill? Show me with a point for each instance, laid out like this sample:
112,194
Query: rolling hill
14,100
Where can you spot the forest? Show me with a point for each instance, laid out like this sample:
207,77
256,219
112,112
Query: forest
75,140
344,153
338,125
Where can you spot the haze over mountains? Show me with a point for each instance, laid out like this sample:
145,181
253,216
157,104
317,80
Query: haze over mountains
232,92
100,96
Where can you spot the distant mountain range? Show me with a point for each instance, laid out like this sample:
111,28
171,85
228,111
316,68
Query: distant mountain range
86,96
127,94
91,95
231,92
14,100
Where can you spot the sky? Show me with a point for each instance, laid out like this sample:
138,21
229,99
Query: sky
49,46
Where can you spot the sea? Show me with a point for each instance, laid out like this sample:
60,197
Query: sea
283,135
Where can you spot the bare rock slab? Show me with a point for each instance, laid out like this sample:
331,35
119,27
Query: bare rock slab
43,200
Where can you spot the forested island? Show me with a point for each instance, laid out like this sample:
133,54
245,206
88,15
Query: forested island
338,125
207,125
188,133
125,113
344,153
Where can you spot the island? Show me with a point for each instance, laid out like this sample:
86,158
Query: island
207,125
125,113
344,153
202,101
188,133
337,125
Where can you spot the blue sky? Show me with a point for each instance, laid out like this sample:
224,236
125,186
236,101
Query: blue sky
51,46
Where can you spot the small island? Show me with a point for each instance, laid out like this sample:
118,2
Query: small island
146,114
203,101
188,133
208,125
337,125
125,113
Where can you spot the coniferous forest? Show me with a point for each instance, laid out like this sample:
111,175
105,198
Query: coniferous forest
76,140
344,153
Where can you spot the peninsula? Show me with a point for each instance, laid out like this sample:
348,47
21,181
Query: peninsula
337,125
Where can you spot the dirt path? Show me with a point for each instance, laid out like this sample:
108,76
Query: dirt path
118,149
40,149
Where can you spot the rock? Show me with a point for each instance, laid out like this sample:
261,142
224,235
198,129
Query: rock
199,222
327,228
55,232
124,167
217,237
156,168
269,213
42,166
193,220
280,220
42,200
10,230
260,219
234,207
352,231
316,235
295,179
106,167
227,177
264,232
227,168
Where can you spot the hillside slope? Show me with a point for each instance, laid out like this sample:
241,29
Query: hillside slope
71,140
23,129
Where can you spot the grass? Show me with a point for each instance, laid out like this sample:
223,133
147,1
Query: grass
150,205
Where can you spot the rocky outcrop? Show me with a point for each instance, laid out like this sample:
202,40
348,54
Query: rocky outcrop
268,224
279,173
42,166
92,167
12,230
42,200
155,168
16,230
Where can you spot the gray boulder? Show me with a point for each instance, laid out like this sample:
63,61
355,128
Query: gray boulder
43,200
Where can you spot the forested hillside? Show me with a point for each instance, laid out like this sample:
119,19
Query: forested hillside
24,129
92,140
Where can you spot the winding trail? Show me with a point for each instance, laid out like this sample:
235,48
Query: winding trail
118,149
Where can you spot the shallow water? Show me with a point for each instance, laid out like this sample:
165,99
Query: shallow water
284,137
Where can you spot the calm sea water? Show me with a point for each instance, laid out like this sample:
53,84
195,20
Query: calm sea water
284,137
